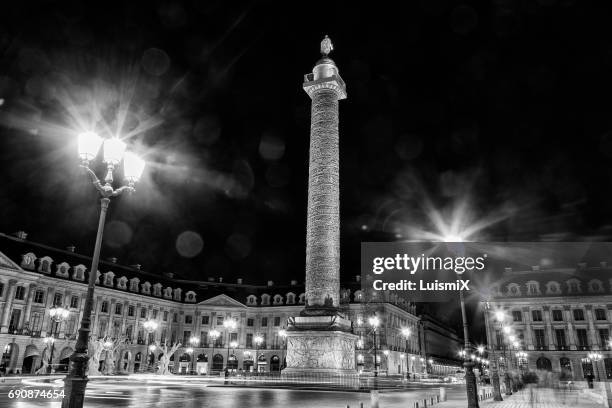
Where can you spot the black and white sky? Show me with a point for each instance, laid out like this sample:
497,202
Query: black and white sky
488,120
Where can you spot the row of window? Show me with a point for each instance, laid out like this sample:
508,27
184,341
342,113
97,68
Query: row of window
554,288
557,315
540,342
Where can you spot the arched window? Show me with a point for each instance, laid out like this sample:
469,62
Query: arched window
265,299
587,367
217,362
251,300
290,298
202,358
566,367
185,357
543,363
275,363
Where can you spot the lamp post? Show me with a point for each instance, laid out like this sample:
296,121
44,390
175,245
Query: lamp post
522,358
470,378
374,323
506,330
189,350
402,358
49,340
106,346
406,333
229,324
57,314
283,335
258,340
114,150
595,358
150,326
499,316
214,335
194,341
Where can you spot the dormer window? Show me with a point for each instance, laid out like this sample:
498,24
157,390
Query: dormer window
596,286
573,286
251,300
157,289
61,270
168,293
27,261
265,299
134,282
45,264
178,294
146,288
121,283
190,296
291,298
109,279
278,300
302,298
514,289
553,287
533,288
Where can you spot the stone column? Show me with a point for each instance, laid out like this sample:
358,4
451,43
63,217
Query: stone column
549,329
321,339
28,308
593,334
570,327
8,305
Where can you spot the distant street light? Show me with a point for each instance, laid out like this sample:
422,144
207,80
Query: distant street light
150,326
58,315
374,323
89,144
258,341
214,335
194,341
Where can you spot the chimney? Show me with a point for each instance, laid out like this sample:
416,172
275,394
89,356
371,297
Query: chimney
220,279
112,259
137,266
535,268
293,283
270,283
357,278
21,234
239,281
70,248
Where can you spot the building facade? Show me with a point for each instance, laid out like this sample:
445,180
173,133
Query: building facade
35,278
558,316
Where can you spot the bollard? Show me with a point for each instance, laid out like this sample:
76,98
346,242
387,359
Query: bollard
373,398
362,405
442,394
425,403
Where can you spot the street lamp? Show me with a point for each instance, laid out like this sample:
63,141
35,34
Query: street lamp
258,341
49,340
194,341
595,357
57,314
283,335
214,335
229,324
470,378
107,346
374,323
406,333
150,326
89,144
189,350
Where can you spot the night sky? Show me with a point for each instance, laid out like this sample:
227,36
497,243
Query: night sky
497,111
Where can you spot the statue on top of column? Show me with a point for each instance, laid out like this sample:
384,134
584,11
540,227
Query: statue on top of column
326,46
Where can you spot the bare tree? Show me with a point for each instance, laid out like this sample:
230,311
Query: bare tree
45,362
164,360
94,350
112,355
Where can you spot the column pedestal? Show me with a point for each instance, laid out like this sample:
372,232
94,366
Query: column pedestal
320,346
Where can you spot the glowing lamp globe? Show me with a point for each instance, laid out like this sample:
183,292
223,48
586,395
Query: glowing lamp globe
406,332
234,344
189,350
89,145
113,150
282,333
133,166
374,321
